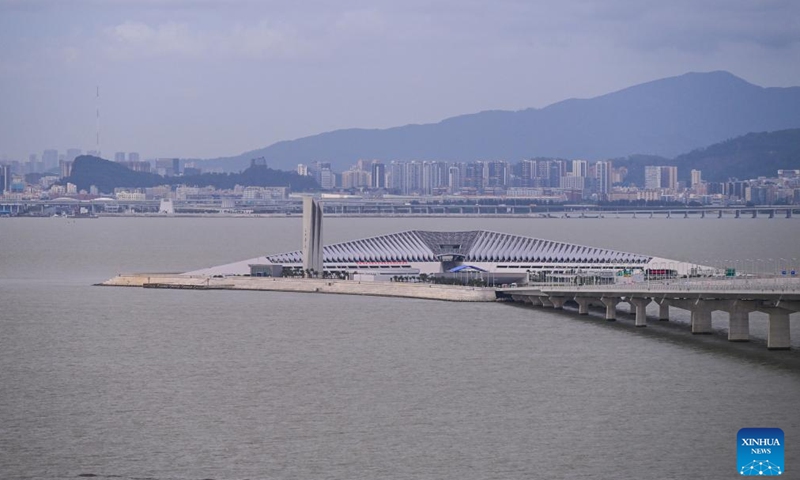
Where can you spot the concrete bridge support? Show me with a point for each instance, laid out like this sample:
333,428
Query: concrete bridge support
663,312
778,337
739,321
583,305
532,301
640,305
611,307
545,301
701,313
701,320
558,302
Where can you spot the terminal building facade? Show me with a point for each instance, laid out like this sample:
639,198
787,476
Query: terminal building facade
492,256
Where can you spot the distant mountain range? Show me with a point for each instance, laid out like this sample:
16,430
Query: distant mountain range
664,117
748,156
744,157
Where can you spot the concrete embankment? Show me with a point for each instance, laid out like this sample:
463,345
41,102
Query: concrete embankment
347,287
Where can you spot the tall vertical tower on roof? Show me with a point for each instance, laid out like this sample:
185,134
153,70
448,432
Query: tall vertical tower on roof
312,235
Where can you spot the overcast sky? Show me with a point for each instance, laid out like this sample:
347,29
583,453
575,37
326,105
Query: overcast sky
202,78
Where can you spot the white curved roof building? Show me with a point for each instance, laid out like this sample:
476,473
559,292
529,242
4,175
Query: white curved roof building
436,252
477,246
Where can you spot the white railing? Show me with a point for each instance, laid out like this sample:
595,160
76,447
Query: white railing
734,285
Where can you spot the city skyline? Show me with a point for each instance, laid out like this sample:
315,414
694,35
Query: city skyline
192,78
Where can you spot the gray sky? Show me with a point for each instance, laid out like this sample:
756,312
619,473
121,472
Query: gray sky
202,78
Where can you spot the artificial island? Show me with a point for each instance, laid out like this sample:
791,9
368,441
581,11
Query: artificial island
482,266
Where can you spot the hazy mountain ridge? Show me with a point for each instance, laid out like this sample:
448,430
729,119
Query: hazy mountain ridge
757,154
664,117
749,156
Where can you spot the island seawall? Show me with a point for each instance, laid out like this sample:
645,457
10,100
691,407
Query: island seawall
451,293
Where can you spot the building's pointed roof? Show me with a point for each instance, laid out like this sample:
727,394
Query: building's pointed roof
469,246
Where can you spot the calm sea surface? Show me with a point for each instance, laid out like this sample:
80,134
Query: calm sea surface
167,384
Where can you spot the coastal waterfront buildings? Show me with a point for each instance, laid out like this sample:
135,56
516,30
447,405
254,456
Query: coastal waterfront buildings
603,176
5,178
548,181
697,178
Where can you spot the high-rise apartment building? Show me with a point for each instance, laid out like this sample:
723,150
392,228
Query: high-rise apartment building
355,178
377,175
652,177
528,173
496,174
65,168
453,179
580,168
5,179
602,172
669,177
697,178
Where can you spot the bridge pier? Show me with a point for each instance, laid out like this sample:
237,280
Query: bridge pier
545,301
583,305
611,307
529,299
640,304
558,302
778,336
701,320
739,321
663,311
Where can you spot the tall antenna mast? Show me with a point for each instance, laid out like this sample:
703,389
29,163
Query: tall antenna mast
97,104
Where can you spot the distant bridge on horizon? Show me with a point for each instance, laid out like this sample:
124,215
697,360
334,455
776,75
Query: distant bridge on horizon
395,206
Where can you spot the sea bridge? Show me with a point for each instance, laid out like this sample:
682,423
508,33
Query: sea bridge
738,297
390,206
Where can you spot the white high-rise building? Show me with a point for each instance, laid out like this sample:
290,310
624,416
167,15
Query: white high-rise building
652,177
580,168
602,171
697,178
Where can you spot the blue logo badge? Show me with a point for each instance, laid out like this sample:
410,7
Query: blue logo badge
759,451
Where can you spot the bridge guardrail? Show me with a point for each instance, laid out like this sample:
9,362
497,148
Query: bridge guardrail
775,285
